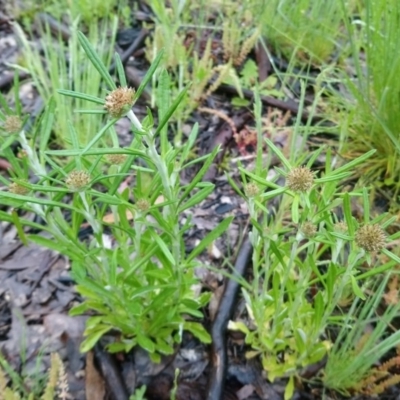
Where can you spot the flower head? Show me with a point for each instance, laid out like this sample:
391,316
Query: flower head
16,188
12,124
340,227
251,190
116,159
77,180
300,179
119,101
370,237
143,205
309,229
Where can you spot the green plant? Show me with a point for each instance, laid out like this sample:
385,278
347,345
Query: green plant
65,67
370,110
139,394
125,285
364,338
307,260
188,31
25,386
89,12
305,30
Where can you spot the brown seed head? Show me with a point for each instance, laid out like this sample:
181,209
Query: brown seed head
300,179
116,159
77,181
370,237
16,188
12,124
119,101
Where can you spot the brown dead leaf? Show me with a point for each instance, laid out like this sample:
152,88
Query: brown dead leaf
245,392
215,300
94,383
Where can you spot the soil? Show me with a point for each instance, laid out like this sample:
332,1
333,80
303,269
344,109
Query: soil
37,292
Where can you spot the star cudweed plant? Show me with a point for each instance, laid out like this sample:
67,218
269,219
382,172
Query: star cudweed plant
124,285
309,258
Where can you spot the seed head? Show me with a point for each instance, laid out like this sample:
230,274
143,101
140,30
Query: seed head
370,237
340,227
22,154
251,190
116,159
77,181
143,205
119,101
300,179
12,124
309,229
16,188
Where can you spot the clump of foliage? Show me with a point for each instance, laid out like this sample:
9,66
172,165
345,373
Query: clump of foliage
147,267
54,386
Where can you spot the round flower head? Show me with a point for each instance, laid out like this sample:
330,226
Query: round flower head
143,205
116,159
309,229
16,188
370,237
251,190
77,180
119,101
300,179
340,227
12,124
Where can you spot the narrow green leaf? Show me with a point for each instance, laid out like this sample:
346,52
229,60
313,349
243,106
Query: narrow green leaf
120,70
348,215
163,347
163,100
198,330
333,177
366,205
350,165
356,289
97,151
199,175
47,125
149,74
164,248
208,239
189,143
279,154
170,111
93,338
99,135
295,209
20,229
82,96
146,343
88,111
198,197
95,60
35,200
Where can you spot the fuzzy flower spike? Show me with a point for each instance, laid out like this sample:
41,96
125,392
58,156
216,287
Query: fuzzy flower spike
120,101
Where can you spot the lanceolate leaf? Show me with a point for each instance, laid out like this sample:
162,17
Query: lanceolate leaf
96,61
213,235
